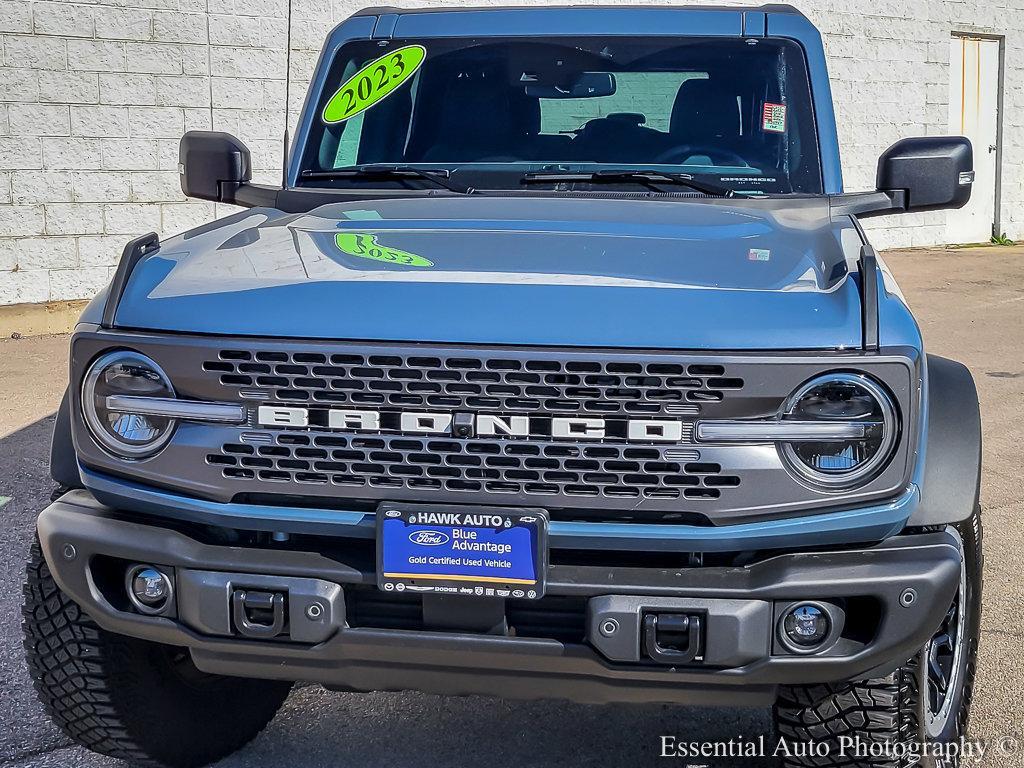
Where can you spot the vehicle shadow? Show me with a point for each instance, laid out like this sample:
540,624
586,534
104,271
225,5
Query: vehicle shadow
25,488
322,728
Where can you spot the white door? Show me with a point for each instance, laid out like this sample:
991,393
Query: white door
974,113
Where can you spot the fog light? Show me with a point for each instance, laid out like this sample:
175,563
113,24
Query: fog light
148,588
806,626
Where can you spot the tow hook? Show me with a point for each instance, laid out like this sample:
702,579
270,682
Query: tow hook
258,614
672,638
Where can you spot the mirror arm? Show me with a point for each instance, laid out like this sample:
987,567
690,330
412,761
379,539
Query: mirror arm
867,204
249,195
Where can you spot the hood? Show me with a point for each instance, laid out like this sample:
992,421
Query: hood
679,274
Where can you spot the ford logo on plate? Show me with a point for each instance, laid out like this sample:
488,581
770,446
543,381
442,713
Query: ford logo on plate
429,538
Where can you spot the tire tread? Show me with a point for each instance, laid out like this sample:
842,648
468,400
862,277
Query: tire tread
70,665
106,691
883,710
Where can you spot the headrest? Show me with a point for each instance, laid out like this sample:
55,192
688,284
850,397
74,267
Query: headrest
705,109
507,110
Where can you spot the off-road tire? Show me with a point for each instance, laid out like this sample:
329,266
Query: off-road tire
131,699
888,710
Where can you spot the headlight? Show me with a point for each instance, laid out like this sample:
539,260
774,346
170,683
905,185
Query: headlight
122,432
853,400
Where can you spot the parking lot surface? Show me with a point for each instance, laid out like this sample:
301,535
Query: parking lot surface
970,303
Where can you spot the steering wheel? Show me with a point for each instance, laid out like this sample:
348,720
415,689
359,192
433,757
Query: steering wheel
680,152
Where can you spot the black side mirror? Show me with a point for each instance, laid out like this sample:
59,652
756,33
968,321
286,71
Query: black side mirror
929,172
213,165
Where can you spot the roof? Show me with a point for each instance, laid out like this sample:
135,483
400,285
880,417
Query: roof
766,8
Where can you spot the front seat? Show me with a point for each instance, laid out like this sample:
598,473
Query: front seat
706,113
479,122
620,137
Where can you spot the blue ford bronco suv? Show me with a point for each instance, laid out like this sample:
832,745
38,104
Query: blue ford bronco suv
557,366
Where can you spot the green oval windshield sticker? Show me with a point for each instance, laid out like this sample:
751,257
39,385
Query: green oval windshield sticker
373,83
366,247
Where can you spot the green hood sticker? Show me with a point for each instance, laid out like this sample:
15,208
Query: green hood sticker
373,83
366,247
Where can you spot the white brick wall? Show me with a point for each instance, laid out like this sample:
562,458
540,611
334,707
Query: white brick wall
94,95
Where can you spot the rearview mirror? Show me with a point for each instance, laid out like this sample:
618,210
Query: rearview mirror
213,165
587,85
929,172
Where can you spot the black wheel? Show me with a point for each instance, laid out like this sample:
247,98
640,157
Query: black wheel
925,703
131,699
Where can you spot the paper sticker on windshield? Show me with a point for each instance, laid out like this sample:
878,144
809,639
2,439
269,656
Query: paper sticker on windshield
774,118
373,83
366,247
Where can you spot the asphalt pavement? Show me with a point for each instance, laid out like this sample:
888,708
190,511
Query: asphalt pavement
970,303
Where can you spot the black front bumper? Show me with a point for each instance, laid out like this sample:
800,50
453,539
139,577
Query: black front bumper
887,599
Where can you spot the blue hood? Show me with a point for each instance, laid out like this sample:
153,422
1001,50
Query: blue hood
680,274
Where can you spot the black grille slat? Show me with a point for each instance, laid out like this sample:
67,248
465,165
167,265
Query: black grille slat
474,383
528,467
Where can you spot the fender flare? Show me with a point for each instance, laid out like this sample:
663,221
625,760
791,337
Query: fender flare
951,478
63,460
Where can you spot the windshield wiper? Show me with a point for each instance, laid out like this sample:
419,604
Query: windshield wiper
649,179
439,176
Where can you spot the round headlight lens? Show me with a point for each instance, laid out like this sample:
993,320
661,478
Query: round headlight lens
842,397
126,434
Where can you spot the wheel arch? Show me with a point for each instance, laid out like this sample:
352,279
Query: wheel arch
951,478
63,460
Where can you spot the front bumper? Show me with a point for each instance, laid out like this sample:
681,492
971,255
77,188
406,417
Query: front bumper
363,639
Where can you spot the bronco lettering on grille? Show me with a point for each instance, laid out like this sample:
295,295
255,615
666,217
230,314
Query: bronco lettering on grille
485,425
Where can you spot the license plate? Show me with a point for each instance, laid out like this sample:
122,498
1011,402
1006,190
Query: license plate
472,551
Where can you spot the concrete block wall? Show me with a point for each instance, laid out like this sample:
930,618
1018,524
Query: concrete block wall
94,96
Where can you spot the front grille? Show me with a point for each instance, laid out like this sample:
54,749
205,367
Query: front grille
474,383
596,476
514,467
611,389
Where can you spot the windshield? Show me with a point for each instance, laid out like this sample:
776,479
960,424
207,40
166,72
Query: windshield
733,112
